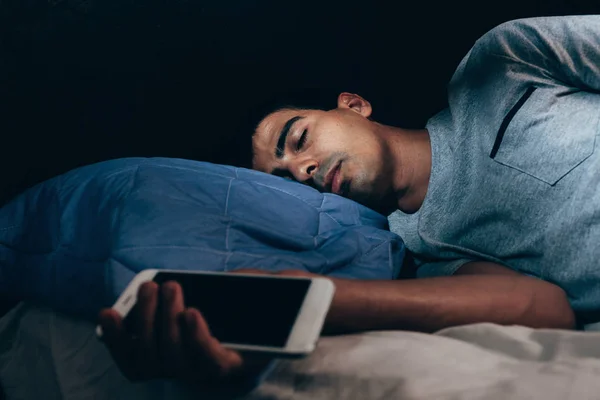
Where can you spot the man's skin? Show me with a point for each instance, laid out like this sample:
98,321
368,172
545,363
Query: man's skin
383,167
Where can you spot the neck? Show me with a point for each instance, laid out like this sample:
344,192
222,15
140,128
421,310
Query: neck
410,151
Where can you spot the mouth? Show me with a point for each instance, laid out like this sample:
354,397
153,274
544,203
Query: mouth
334,181
330,177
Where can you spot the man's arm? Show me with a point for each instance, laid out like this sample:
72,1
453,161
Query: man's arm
479,292
174,341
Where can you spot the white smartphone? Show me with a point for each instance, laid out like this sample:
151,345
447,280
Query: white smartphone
279,315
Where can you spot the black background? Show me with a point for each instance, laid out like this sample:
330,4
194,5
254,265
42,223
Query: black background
88,80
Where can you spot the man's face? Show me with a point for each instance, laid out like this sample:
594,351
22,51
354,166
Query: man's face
335,151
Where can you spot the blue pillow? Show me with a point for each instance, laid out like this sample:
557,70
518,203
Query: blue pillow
74,242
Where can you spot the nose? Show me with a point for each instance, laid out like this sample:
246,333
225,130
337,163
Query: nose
305,170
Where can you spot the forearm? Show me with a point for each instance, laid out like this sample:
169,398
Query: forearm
434,303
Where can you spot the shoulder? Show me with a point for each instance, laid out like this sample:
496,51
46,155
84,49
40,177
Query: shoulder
510,38
515,29
507,56
525,37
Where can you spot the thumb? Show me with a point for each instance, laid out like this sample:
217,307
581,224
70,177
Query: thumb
211,354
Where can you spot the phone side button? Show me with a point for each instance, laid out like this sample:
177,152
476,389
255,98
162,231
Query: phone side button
127,299
99,332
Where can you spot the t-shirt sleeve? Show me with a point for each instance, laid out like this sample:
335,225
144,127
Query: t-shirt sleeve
563,49
440,268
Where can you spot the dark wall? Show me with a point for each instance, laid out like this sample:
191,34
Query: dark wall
87,80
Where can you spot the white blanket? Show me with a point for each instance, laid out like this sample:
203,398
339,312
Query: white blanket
44,355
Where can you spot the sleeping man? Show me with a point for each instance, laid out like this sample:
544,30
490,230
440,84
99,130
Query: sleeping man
497,199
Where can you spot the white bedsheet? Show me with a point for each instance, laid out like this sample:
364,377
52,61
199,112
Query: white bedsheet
44,355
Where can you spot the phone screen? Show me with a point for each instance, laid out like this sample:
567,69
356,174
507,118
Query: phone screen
257,311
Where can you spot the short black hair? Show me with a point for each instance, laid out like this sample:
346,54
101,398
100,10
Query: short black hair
253,114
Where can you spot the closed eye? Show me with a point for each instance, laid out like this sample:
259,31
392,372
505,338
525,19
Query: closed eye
302,140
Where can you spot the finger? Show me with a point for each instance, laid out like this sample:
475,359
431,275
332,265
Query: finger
117,340
209,355
296,273
144,315
285,272
172,305
145,357
252,271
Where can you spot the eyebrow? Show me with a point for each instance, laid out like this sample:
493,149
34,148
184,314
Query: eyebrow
280,148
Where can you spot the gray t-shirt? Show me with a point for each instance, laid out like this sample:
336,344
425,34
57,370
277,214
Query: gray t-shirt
515,170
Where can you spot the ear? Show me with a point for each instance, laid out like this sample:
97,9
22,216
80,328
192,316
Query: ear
355,103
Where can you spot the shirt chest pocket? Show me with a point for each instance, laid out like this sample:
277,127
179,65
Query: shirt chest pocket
546,135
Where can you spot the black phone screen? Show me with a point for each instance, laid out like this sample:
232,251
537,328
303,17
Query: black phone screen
249,310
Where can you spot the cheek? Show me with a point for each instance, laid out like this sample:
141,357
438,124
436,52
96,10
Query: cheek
348,138
325,149
367,164
362,172
341,143
368,152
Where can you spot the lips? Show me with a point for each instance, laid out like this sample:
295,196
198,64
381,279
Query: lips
336,181
333,180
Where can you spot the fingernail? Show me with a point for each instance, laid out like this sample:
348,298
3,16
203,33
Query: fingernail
145,291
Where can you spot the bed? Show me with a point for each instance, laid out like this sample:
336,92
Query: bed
47,355
70,245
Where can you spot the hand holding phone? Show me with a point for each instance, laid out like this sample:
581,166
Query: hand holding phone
159,333
170,342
